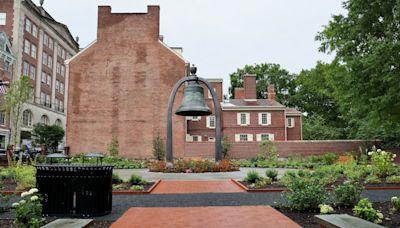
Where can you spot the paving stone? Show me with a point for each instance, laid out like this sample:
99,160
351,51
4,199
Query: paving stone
68,223
344,220
198,186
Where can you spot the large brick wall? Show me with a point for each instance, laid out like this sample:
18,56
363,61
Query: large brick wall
294,133
285,148
120,86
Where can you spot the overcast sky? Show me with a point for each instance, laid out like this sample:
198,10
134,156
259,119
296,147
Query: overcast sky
219,36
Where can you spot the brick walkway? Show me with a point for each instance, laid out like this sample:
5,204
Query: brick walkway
230,217
198,186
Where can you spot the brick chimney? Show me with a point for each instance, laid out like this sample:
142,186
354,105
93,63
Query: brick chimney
250,91
271,92
239,93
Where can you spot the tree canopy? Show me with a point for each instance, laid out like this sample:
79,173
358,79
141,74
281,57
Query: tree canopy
48,135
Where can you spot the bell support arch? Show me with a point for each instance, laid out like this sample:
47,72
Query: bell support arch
217,113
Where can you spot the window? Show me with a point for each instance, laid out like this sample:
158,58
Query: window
211,139
62,70
56,104
58,122
265,136
57,86
58,50
48,102
69,56
63,53
61,108
50,62
58,68
34,30
45,40
28,25
61,88
2,117
264,118
42,98
48,80
210,121
33,51
44,120
44,58
32,73
290,122
3,17
243,119
27,47
25,69
51,43
209,93
243,137
43,77
27,118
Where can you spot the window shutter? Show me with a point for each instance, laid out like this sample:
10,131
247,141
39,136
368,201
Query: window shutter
189,138
238,118
247,118
208,122
250,137
260,118
271,137
237,137
293,122
199,138
269,118
258,137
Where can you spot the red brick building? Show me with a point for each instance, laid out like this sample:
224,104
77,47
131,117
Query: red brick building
119,86
246,118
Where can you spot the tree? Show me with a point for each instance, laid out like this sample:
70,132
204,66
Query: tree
158,148
48,135
266,73
366,42
315,127
113,147
20,91
225,146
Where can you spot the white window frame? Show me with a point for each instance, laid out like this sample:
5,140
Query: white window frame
50,61
291,123
3,18
192,118
34,30
33,51
58,122
45,39
44,58
211,119
27,47
259,137
51,43
25,68
247,118
48,82
44,119
268,118
57,85
32,72
43,77
61,88
240,136
28,25
27,117
48,100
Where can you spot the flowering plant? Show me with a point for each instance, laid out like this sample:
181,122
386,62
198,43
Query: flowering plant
365,211
28,211
396,203
326,209
383,161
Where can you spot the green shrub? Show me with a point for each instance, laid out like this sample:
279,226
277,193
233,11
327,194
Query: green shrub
396,203
329,158
225,146
261,183
383,161
364,210
116,179
136,180
304,193
372,179
269,150
348,193
272,174
113,147
118,187
158,148
137,187
28,211
393,179
252,176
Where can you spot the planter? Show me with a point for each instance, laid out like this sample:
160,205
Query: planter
131,192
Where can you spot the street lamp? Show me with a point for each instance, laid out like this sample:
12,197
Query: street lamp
193,105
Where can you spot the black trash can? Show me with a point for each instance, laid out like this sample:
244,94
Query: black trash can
75,190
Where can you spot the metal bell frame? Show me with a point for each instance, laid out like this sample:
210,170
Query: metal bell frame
217,112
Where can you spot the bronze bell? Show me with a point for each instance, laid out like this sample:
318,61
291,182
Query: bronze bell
193,101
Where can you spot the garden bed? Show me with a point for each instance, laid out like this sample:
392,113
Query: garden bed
306,218
125,190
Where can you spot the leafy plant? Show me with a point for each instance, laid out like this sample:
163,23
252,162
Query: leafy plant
396,203
364,210
325,209
272,174
136,180
48,135
383,161
304,193
28,211
137,187
116,179
225,146
113,147
372,179
329,158
261,183
268,149
158,148
348,193
393,179
252,176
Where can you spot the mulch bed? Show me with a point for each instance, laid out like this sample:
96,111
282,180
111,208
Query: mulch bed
8,185
306,218
127,186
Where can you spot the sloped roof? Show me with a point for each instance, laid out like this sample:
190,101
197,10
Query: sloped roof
292,111
251,104
5,47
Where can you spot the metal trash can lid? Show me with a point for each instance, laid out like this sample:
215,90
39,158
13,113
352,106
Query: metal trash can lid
94,155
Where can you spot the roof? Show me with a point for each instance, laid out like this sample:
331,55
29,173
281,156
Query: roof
59,28
292,111
252,104
5,48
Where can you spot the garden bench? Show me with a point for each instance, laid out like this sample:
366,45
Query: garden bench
68,223
343,221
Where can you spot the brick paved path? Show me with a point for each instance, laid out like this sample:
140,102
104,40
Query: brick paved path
197,186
